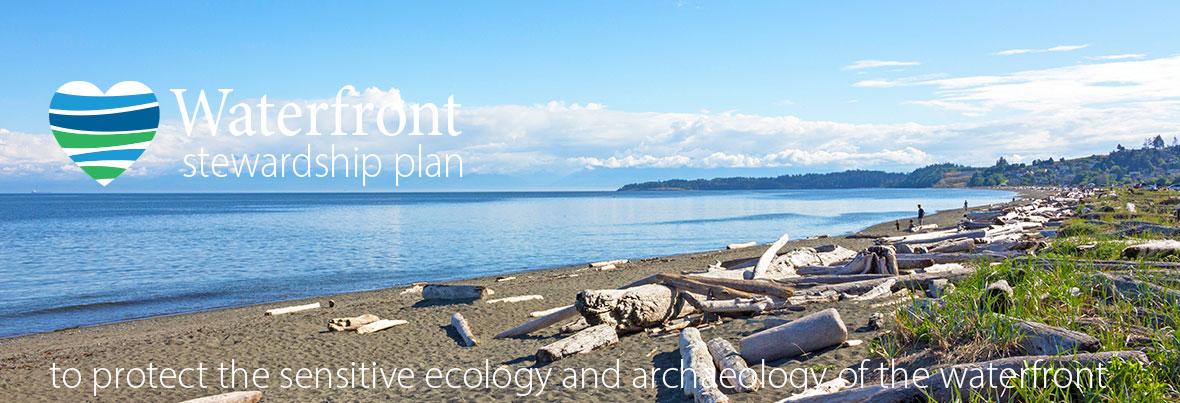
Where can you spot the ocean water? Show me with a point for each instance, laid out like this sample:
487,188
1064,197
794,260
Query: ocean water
82,259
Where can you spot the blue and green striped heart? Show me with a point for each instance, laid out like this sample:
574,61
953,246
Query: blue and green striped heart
104,133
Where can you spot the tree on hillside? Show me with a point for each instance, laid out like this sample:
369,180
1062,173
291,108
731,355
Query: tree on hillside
1157,142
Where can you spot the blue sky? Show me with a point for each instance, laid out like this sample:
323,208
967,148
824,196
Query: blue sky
754,78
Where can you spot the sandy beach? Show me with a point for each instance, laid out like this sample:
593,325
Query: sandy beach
251,340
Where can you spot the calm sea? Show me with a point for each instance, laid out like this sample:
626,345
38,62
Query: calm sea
84,259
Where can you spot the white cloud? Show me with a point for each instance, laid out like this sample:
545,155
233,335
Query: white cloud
1125,56
877,83
872,64
1055,49
1064,111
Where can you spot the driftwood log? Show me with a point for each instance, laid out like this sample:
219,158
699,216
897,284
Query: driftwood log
464,329
231,397
699,377
454,292
353,323
379,326
767,258
292,309
809,333
695,284
1127,287
584,341
744,245
542,322
537,314
1041,339
1152,249
760,303
732,370
760,287
631,308
914,280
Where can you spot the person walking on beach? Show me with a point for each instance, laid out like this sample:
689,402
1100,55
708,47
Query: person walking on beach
964,205
897,224
921,214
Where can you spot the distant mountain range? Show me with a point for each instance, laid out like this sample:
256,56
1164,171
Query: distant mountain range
1155,163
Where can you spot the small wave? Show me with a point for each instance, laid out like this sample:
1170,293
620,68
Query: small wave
103,305
777,216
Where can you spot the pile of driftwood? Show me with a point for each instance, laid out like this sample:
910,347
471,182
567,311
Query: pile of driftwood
777,281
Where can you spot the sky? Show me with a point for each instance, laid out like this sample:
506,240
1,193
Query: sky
593,95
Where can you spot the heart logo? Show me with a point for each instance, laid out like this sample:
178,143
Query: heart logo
104,133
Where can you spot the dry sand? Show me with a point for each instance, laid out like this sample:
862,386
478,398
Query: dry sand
299,340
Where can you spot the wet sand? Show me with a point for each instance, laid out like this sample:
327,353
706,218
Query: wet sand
299,340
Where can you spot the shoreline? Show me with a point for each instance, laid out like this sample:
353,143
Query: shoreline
864,232
242,334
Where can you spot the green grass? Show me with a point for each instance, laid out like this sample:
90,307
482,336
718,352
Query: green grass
1064,295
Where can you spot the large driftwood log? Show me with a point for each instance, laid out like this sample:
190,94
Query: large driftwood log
698,285
699,378
252,396
537,314
631,308
913,280
732,368
1041,339
1152,249
542,322
767,258
584,341
943,386
811,281
953,245
379,326
345,324
464,329
935,236
1128,287
760,287
760,303
454,292
291,309
809,333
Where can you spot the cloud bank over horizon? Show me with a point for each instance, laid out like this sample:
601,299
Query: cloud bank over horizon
1072,110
